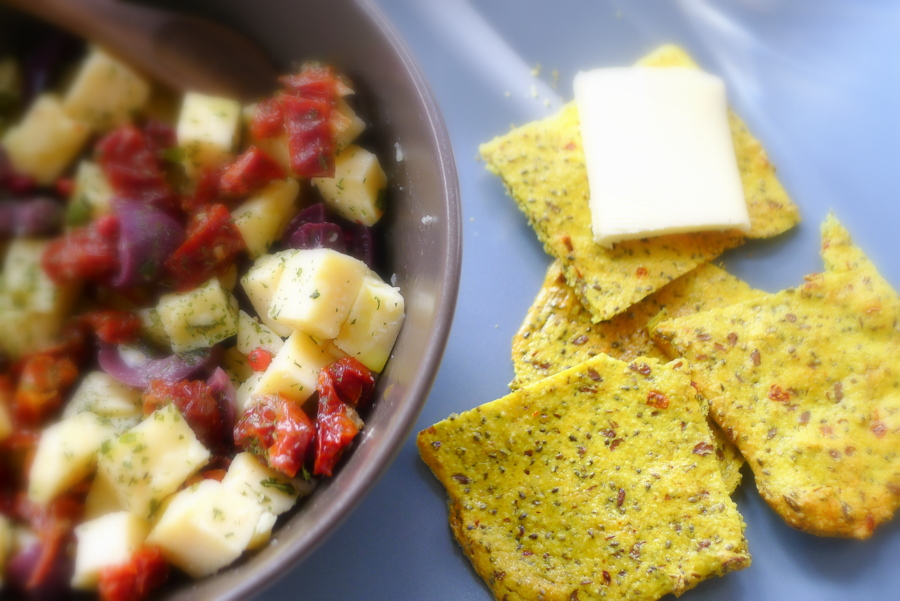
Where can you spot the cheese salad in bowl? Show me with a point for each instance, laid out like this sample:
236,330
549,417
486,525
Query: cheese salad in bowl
191,321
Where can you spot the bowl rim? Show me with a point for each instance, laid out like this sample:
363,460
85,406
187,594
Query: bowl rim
254,580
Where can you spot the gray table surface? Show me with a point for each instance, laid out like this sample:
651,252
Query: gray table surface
817,82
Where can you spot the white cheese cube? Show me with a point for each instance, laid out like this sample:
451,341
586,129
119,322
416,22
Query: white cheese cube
207,130
659,154
295,369
205,527
28,285
152,327
101,498
150,461
263,217
244,393
66,454
252,335
347,126
103,395
234,362
106,92
369,332
198,318
110,540
357,190
23,331
46,141
92,195
316,290
273,491
260,283
263,531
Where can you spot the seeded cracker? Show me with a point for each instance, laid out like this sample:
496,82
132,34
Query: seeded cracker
807,384
598,482
542,166
557,333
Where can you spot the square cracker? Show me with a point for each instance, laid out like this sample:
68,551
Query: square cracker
598,482
557,333
542,166
806,382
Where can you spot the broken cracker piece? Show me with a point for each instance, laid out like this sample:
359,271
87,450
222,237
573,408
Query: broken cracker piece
806,382
542,167
598,482
557,333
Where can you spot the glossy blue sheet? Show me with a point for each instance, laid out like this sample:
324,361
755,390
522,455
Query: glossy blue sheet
817,81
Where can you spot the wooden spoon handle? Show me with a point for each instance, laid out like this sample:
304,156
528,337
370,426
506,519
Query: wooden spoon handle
184,52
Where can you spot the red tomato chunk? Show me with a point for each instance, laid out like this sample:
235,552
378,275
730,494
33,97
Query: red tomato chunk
199,406
249,172
277,430
133,581
213,242
342,386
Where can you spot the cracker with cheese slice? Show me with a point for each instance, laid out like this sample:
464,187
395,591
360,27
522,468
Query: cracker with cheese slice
807,384
558,333
542,167
598,482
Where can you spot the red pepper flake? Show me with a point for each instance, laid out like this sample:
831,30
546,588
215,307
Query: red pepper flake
703,544
461,478
778,394
620,498
878,428
849,451
642,369
606,577
732,338
703,449
827,431
614,444
593,375
657,399
641,272
567,241
754,356
570,146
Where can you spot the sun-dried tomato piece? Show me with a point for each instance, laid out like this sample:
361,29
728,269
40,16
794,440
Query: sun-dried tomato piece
133,580
277,430
342,386
317,81
213,241
131,161
268,120
43,383
311,143
84,253
205,194
249,172
199,406
114,327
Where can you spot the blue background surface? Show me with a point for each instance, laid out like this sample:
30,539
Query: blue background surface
817,82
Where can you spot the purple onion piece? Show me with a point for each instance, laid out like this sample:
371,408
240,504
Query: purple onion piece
360,243
318,235
171,369
226,396
54,586
147,236
30,217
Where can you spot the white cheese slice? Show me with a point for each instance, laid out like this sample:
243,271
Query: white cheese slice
659,154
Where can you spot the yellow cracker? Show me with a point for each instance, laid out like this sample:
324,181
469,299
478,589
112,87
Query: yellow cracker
558,334
542,166
597,482
807,384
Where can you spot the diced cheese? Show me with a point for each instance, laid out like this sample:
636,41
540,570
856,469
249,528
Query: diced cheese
252,335
152,327
66,454
150,461
103,395
205,527
263,217
109,540
92,195
316,290
347,126
207,130
244,393
295,369
28,285
46,141
357,190
659,154
263,531
369,332
23,331
102,497
198,318
234,362
106,92
273,491
260,283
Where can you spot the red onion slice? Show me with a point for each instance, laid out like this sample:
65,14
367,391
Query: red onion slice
139,374
147,236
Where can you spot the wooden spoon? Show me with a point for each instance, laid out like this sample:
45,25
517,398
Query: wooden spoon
183,52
